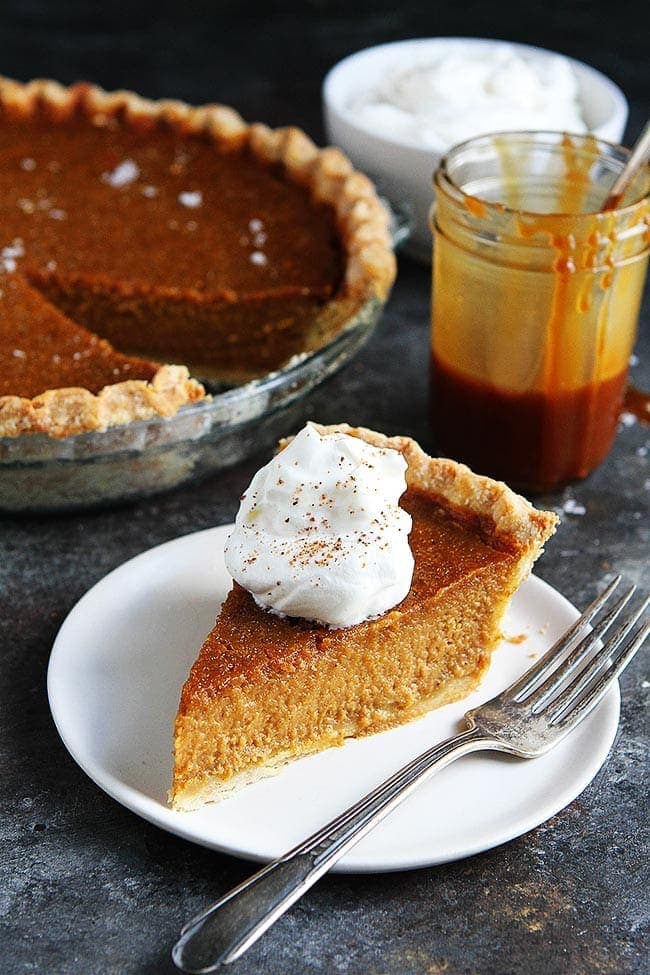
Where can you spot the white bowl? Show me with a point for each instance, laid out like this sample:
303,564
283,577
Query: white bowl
402,170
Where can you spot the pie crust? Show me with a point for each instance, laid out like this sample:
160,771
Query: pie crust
66,412
361,221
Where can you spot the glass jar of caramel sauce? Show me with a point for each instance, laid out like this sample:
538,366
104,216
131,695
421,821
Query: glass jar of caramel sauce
536,299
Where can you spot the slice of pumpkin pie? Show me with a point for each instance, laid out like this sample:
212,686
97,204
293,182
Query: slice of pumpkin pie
350,612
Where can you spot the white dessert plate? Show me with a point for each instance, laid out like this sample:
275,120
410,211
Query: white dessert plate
114,681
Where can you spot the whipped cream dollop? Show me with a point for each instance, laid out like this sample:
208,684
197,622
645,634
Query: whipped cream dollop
467,91
320,534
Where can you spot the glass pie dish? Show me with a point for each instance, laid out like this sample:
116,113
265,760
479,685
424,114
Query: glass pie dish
39,473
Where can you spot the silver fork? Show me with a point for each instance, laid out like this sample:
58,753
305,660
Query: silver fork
527,719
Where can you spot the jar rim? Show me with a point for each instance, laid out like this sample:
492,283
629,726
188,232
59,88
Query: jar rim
443,180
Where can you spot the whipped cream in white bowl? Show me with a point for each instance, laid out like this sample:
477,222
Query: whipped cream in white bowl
320,534
397,108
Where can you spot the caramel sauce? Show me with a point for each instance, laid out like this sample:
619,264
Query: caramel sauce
577,180
560,423
478,208
638,404
571,200
533,440
613,201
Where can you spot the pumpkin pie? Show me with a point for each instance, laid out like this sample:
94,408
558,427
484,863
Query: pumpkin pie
135,234
267,689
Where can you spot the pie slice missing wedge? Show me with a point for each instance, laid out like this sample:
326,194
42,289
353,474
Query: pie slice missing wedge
267,689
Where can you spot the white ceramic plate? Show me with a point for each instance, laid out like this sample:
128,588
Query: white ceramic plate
114,680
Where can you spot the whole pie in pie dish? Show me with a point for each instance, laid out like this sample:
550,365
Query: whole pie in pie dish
267,689
144,244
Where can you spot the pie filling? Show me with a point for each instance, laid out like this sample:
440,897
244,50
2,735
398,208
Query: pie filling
64,350
161,241
265,689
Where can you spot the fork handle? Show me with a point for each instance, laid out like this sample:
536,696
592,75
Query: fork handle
224,931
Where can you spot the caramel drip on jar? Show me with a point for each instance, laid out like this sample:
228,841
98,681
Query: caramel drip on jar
478,208
637,402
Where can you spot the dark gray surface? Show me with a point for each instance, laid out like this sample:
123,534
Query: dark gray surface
85,886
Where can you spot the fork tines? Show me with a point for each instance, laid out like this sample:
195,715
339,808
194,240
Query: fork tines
572,677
